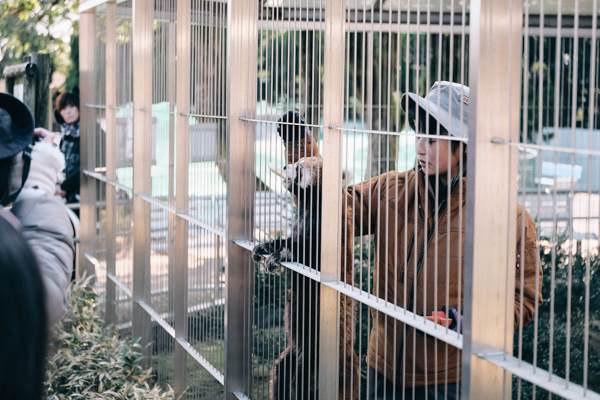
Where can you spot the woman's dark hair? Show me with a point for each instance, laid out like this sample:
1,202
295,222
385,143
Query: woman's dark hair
433,124
68,99
24,333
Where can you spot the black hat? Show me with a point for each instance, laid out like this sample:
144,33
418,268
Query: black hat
16,126
291,132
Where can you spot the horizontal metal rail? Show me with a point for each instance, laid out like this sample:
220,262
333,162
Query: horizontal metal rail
99,106
109,275
394,311
103,178
157,203
201,360
540,377
164,324
400,314
277,122
587,152
362,27
199,115
391,133
553,32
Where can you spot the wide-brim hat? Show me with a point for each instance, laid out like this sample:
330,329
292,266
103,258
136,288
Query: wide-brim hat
16,126
447,102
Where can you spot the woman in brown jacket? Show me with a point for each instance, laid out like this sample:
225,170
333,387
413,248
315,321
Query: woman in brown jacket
417,218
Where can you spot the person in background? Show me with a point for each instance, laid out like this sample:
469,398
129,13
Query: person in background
27,182
67,115
24,333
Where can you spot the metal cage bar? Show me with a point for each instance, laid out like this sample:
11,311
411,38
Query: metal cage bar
333,94
241,37
182,199
495,50
142,159
111,150
87,63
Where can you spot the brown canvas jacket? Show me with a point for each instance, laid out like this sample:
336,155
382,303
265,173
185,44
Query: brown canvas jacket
387,207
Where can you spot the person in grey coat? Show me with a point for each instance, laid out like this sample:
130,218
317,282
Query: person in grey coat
27,181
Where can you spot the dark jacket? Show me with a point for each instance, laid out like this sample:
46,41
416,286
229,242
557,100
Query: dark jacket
69,146
396,208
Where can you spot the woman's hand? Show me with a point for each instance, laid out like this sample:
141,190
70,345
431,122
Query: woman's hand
44,134
457,319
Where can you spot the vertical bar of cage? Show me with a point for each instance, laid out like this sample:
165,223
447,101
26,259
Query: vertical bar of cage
172,99
180,275
574,108
494,79
557,84
538,266
591,115
111,150
523,191
142,160
333,94
87,73
240,102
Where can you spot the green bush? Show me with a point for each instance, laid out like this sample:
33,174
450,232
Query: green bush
563,319
88,360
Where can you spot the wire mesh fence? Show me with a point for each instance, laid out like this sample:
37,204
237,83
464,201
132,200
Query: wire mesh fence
361,199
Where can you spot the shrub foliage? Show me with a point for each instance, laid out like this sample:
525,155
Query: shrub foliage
562,321
88,359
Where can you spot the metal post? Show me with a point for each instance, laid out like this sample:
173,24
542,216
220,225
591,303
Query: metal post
142,161
87,210
111,151
330,240
180,275
495,61
241,101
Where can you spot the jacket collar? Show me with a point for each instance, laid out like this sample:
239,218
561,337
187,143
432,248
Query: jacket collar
425,187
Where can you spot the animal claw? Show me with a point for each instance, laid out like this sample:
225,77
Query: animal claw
259,252
272,263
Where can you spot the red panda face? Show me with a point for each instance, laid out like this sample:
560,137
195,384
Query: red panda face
305,172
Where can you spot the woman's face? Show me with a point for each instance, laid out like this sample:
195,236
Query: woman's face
436,156
70,114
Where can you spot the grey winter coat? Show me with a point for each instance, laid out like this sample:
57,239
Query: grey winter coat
47,229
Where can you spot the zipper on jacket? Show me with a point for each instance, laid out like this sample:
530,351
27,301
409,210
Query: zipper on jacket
410,249
441,209
419,268
453,185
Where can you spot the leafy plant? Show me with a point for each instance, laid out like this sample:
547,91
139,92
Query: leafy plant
565,320
28,26
88,359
